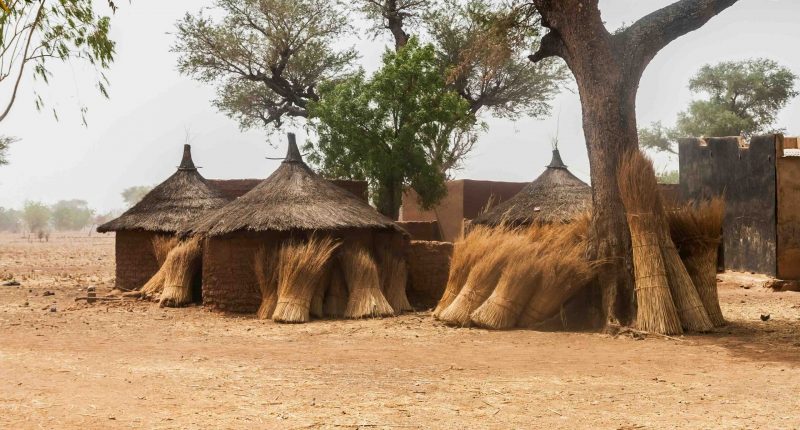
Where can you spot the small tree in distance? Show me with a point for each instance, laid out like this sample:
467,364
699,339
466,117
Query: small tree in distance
135,194
36,216
741,98
71,215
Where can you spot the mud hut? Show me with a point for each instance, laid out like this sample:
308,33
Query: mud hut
293,202
556,196
168,208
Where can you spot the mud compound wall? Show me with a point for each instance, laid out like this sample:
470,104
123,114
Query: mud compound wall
429,266
745,174
788,209
135,261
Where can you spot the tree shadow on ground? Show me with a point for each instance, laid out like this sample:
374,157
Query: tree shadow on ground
767,341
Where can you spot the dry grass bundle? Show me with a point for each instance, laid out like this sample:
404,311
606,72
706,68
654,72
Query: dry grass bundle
484,276
466,253
300,268
656,310
696,229
318,299
514,289
335,302
363,283
265,266
565,270
394,275
181,268
155,285
162,245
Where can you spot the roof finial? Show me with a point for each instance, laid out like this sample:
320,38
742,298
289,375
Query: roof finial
293,154
556,162
186,162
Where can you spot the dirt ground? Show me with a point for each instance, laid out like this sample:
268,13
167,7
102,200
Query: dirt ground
132,364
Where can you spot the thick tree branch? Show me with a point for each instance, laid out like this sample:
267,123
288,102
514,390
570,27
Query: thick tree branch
644,39
552,46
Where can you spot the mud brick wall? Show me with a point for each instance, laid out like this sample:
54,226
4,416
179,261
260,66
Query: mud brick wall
229,282
429,265
135,261
788,211
422,230
745,173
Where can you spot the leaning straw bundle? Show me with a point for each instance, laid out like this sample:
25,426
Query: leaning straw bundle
514,289
162,245
181,267
318,299
301,265
466,253
656,310
363,284
155,285
394,275
335,301
697,231
265,267
483,277
687,300
567,271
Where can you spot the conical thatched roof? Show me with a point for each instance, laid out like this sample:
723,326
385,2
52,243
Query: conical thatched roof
292,198
173,204
555,196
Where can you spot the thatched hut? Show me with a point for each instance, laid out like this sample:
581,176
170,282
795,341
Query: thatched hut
168,208
293,202
556,196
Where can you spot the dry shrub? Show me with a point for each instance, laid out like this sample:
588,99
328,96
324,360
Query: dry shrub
656,310
363,284
265,266
181,267
162,245
500,248
696,229
335,302
300,269
394,274
466,254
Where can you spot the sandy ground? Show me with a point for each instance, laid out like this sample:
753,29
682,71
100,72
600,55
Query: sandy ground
134,365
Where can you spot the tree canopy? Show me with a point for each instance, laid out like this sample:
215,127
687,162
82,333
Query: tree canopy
394,129
71,215
135,194
266,57
740,98
36,216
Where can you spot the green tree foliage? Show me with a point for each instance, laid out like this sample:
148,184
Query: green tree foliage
266,57
10,220
71,215
668,177
36,33
740,98
133,195
393,129
36,216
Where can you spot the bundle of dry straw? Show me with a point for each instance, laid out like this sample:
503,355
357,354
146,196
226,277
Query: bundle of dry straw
656,310
266,269
566,270
162,245
363,283
500,247
696,229
181,269
466,253
301,267
394,274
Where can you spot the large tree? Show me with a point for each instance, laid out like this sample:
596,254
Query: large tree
393,129
741,98
135,194
607,68
71,215
266,57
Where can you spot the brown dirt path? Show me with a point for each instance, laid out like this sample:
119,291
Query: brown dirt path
134,365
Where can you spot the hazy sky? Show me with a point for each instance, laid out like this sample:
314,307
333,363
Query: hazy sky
135,137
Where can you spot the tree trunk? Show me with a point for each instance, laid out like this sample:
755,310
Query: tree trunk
390,199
